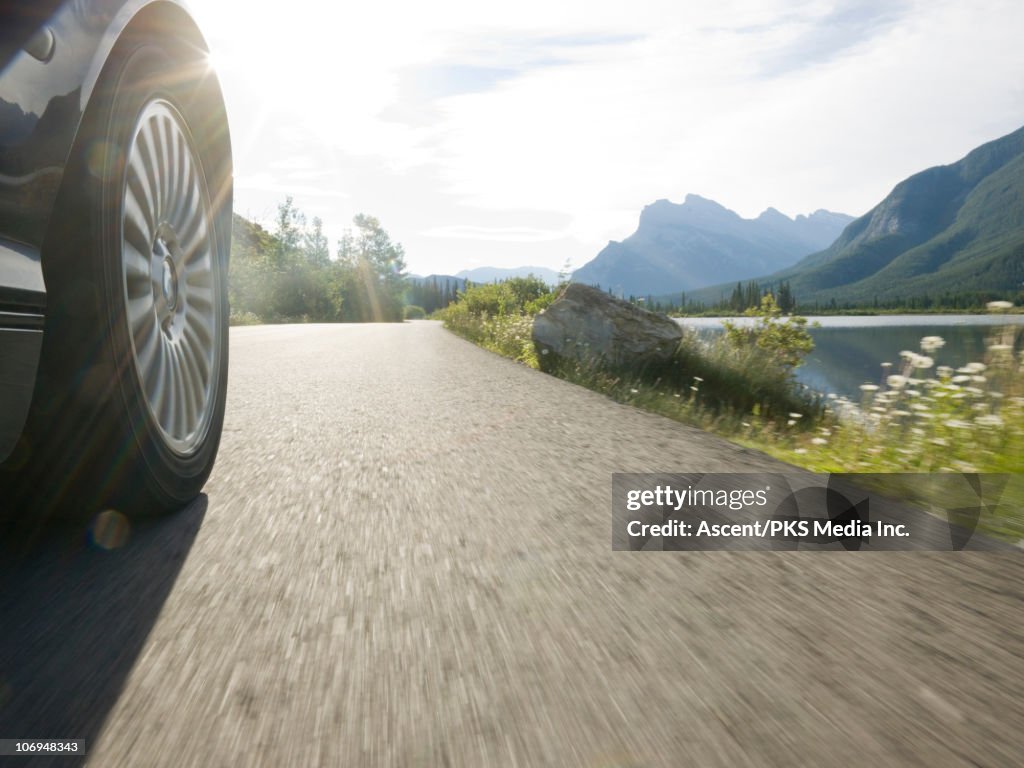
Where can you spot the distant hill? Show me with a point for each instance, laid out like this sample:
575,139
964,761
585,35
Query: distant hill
492,274
955,228
453,281
683,246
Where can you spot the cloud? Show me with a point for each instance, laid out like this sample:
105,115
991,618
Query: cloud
267,182
575,120
496,234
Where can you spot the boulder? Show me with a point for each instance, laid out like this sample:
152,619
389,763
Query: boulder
587,325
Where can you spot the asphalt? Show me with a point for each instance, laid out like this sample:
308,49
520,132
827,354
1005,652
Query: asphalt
403,558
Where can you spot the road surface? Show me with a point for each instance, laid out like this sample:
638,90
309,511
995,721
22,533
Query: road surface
403,559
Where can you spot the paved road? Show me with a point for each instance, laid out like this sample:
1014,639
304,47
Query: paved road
403,559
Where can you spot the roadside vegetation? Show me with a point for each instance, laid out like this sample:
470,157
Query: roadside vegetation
919,416
288,276
499,316
712,384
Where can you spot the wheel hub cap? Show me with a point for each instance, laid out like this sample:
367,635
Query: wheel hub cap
170,284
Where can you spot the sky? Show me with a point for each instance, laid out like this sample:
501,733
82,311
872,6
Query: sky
532,133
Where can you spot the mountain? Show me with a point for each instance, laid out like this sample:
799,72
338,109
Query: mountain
683,246
952,228
493,274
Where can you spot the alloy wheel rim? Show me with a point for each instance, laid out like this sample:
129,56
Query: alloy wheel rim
169,269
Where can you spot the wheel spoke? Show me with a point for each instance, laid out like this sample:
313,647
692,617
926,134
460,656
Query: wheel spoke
150,160
163,164
199,354
138,270
194,377
155,379
182,180
139,226
193,235
147,342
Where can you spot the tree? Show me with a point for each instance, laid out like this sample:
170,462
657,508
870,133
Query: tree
374,280
290,223
785,298
315,245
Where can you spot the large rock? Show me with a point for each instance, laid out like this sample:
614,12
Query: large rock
588,325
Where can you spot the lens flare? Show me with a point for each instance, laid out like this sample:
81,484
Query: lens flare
110,529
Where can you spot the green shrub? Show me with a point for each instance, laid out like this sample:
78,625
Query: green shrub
499,316
412,312
244,317
784,342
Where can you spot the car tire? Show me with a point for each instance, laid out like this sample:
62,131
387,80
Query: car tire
131,394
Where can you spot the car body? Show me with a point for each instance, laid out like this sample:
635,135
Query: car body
104,103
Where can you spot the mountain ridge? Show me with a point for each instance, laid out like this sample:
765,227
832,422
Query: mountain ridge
699,242
956,226
492,274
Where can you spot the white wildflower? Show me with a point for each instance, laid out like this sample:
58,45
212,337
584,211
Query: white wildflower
819,441
998,306
869,387
932,343
896,382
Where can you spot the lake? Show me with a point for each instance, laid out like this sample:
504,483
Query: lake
849,350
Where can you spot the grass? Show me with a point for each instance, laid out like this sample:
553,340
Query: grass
710,385
505,334
922,418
